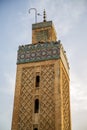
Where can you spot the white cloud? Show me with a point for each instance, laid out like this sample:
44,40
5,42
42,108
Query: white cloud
9,84
65,14
78,92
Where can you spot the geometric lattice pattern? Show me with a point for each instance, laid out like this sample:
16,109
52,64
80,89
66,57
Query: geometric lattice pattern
66,106
47,106
26,100
47,115
38,52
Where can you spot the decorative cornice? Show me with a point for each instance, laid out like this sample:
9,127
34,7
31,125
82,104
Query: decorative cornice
42,25
38,52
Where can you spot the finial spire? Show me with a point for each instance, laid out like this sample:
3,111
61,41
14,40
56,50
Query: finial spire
44,16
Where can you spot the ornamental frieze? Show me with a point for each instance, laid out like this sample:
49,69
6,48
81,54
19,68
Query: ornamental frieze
38,52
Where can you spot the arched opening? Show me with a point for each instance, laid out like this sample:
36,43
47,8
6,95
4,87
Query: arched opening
35,128
36,106
37,81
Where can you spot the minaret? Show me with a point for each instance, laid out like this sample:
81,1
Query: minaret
42,93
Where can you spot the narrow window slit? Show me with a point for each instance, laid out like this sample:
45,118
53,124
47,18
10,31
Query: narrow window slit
37,81
36,106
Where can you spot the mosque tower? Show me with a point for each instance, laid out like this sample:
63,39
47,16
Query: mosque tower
42,92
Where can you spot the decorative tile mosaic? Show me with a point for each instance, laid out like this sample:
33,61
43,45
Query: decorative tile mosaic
38,52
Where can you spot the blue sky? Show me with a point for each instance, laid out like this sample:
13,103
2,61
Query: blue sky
70,20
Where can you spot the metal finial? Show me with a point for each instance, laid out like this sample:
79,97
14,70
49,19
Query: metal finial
35,13
44,16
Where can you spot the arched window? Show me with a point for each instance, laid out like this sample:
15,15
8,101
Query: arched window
36,106
37,81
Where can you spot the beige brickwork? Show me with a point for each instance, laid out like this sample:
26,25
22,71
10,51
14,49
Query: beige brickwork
42,33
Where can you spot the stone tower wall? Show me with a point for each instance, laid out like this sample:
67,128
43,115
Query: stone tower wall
43,32
48,93
65,98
